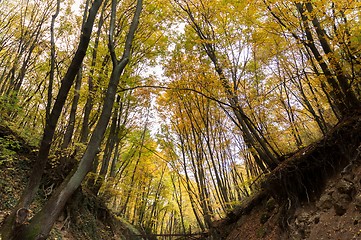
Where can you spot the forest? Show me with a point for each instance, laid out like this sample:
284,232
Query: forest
172,112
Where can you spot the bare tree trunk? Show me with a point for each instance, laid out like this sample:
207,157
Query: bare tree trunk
335,95
129,191
51,123
43,221
343,81
340,92
112,137
89,102
178,198
71,123
52,60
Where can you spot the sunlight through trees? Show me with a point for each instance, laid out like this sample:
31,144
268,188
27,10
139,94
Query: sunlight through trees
242,85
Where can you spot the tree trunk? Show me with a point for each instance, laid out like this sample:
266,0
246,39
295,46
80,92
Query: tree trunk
343,81
113,133
337,94
71,123
39,166
89,102
41,224
52,60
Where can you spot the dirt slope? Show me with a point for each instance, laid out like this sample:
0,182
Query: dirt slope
314,194
84,217
335,214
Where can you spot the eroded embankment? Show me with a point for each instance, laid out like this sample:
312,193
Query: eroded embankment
307,194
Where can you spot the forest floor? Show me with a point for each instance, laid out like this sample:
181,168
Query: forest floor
336,214
315,194
85,216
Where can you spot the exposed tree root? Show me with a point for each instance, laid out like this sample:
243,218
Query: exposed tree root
302,176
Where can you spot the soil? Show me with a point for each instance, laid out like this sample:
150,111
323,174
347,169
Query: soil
336,214
85,217
314,194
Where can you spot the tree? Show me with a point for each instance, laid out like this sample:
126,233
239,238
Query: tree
43,221
199,17
245,83
202,133
38,168
340,79
41,224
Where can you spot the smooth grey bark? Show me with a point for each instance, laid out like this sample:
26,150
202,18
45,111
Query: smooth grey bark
67,82
112,139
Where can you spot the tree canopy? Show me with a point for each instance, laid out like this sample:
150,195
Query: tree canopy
170,111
